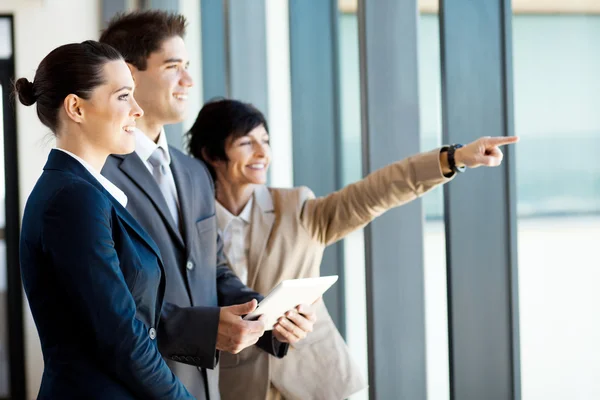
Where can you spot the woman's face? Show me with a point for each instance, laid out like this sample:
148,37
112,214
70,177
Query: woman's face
249,157
111,111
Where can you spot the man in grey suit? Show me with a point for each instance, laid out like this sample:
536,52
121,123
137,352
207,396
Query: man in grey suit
172,196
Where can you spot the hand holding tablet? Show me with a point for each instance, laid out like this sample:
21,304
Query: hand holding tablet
287,295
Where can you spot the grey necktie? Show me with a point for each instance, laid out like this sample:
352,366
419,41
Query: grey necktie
161,172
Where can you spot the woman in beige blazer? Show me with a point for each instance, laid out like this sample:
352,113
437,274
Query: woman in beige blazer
274,234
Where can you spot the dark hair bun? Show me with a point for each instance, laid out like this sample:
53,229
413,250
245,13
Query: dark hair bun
25,90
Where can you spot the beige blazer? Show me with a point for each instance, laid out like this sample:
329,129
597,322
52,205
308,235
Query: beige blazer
290,229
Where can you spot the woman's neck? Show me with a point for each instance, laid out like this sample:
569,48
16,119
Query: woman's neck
234,197
82,150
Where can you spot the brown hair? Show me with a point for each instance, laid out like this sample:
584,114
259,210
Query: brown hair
138,34
75,68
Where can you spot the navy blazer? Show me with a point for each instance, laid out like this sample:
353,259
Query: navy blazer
199,280
95,283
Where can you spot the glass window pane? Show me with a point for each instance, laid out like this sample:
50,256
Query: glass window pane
5,38
556,96
436,303
354,254
435,256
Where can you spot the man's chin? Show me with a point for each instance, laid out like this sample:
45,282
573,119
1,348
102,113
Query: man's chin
180,109
176,118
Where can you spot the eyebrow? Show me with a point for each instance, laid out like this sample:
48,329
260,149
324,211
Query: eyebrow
122,88
174,60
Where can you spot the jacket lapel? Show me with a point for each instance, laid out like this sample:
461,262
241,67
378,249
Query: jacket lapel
64,162
263,217
128,219
134,167
183,183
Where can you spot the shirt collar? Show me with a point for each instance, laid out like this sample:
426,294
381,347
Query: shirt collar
110,187
224,217
144,146
246,212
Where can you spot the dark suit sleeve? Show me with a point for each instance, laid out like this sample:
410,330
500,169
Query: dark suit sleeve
189,334
77,232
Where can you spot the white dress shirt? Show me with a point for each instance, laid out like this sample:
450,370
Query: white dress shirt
110,187
144,147
235,232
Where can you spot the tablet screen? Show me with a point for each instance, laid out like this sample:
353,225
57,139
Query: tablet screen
287,295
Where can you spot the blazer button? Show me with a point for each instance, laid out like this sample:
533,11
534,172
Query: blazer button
189,265
152,333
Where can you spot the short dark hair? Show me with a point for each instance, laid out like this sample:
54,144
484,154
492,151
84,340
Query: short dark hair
218,121
138,34
75,68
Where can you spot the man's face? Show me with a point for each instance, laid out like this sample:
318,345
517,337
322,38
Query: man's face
162,89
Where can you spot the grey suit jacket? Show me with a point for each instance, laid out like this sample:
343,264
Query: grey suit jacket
198,278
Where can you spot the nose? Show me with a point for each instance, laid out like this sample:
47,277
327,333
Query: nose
186,79
136,110
260,149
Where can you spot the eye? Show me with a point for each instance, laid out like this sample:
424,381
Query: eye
173,66
245,143
124,96
267,141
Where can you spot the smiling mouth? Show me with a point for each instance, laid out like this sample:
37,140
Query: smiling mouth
180,96
129,128
257,167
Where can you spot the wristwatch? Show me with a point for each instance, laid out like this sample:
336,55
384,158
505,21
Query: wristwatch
451,160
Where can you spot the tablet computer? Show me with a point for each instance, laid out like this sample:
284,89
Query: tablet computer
287,295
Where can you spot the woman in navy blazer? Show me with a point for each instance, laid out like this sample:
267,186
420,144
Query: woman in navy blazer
94,279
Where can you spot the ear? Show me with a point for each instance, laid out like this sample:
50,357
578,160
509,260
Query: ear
72,105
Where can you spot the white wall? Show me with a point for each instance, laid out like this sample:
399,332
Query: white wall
193,42
40,26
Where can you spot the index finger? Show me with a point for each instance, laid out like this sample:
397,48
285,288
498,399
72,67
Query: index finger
299,321
305,309
501,140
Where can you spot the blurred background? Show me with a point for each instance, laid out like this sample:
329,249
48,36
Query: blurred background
486,289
